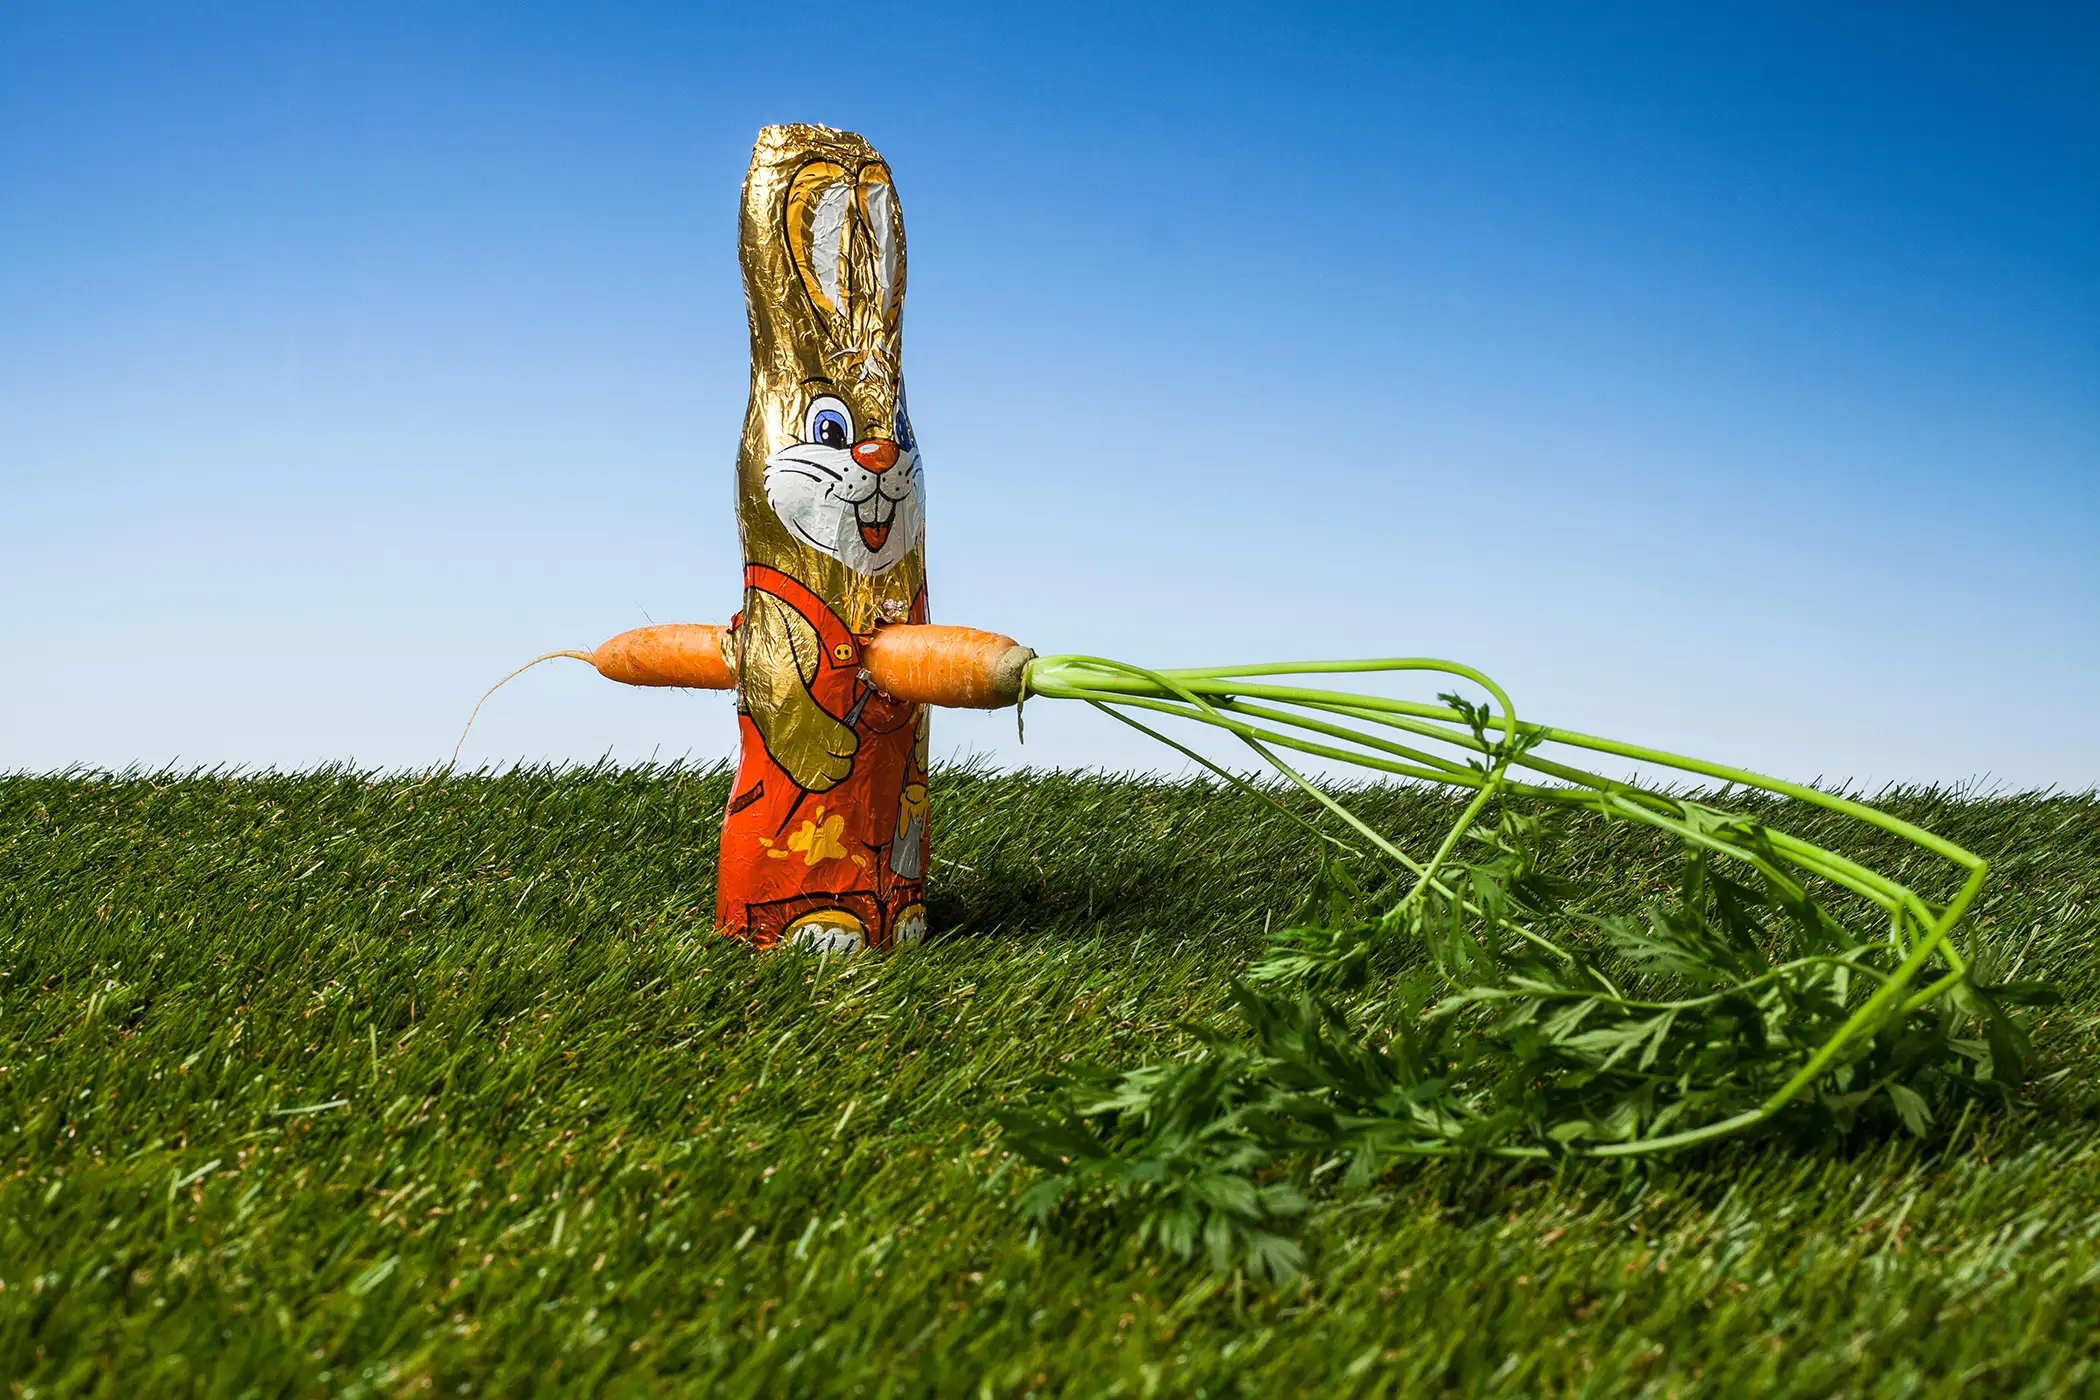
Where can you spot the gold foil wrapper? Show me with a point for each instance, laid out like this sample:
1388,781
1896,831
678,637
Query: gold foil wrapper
825,839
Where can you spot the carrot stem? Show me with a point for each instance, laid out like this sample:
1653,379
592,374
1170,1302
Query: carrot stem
1220,698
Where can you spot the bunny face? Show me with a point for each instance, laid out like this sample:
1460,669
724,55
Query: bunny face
828,463
850,488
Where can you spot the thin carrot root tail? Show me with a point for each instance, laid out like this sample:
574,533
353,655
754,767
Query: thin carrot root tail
695,654
576,655
953,667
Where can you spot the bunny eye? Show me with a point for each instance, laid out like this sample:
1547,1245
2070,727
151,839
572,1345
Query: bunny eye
905,441
831,423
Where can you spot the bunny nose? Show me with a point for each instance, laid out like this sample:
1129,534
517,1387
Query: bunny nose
876,454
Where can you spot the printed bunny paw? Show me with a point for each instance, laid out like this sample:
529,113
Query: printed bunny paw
910,929
816,750
826,931
781,654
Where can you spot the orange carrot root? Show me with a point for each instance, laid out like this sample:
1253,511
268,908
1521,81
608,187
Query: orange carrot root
956,667
694,654
953,667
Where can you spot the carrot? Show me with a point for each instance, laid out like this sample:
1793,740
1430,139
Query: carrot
953,667
694,654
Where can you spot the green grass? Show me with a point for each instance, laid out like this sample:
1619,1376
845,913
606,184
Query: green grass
325,1084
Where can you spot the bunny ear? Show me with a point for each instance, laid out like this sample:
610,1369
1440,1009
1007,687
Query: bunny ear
818,201
878,203
846,238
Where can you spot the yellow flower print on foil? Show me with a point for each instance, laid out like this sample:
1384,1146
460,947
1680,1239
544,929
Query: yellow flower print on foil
818,839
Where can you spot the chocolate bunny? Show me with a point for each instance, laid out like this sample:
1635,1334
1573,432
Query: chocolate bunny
825,838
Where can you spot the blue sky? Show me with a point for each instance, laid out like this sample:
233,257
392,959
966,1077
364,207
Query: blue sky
1722,378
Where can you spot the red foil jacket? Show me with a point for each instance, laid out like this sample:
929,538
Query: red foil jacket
845,868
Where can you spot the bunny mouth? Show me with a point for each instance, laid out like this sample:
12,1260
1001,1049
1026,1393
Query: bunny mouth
874,533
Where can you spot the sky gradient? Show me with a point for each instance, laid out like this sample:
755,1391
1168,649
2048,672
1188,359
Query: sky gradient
1721,378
